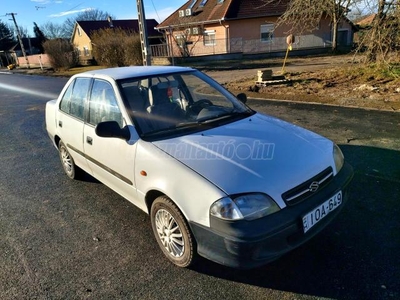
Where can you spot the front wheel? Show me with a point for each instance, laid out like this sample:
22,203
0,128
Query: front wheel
172,232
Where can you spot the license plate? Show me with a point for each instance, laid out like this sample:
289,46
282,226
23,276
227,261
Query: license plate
320,212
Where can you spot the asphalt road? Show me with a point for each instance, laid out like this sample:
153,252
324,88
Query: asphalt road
64,239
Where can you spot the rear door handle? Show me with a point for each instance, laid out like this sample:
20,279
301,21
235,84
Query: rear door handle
89,140
60,123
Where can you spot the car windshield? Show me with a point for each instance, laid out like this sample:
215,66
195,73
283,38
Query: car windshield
176,103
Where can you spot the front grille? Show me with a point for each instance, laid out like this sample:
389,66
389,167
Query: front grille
308,188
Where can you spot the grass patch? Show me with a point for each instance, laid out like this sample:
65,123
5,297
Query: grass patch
375,72
78,70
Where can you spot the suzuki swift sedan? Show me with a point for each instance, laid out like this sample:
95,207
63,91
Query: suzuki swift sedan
218,179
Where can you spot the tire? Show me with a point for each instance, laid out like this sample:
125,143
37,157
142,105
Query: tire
180,248
68,164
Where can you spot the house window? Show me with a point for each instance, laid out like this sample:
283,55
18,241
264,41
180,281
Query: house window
180,40
267,32
78,51
209,38
79,31
203,3
85,51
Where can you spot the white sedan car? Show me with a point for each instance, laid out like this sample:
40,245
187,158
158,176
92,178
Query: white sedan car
217,178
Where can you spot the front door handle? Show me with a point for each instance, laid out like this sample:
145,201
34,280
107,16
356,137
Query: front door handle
89,140
60,123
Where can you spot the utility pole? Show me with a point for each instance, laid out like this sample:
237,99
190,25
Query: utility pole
19,38
143,34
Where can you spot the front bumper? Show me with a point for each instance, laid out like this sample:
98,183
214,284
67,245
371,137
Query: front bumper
248,244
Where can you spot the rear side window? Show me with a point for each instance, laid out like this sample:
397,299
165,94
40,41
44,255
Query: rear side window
66,99
73,101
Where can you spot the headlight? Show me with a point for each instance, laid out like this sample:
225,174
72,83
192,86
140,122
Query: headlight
248,207
226,209
338,157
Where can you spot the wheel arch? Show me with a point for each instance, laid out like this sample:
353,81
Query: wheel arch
152,195
57,140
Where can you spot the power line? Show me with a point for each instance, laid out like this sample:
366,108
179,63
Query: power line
155,9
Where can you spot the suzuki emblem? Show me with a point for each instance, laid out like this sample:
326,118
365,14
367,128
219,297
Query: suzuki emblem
314,186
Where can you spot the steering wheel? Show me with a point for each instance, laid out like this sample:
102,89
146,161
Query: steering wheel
197,106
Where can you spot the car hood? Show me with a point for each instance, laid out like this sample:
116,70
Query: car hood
256,154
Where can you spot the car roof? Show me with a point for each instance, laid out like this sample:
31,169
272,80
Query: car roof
135,71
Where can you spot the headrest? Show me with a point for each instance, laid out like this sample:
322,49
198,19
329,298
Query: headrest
158,93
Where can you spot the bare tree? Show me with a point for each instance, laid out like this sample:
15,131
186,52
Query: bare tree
384,37
23,31
305,15
358,9
87,15
185,36
53,30
185,41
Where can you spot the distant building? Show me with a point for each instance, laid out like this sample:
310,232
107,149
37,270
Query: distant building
365,21
32,46
83,31
207,27
364,25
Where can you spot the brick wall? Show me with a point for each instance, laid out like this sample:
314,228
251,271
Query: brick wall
34,61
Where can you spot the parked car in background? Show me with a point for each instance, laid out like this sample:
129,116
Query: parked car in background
217,178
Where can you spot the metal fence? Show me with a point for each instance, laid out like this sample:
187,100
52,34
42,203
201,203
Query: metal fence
240,45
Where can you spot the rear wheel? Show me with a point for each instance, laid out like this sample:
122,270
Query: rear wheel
172,232
72,171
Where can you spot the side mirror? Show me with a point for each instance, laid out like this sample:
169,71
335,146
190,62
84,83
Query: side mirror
242,97
111,129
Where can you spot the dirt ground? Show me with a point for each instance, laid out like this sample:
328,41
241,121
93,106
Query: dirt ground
329,80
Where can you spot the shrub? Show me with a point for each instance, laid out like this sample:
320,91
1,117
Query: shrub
133,51
61,54
115,47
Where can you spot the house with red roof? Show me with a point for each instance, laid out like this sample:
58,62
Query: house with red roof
83,31
207,27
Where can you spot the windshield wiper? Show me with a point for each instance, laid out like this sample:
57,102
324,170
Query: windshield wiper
179,126
199,124
228,115
186,125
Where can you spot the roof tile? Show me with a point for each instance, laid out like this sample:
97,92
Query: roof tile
215,10
90,26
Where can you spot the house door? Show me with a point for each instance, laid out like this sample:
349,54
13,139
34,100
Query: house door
343,37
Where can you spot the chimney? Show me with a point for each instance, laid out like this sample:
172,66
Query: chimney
110,22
